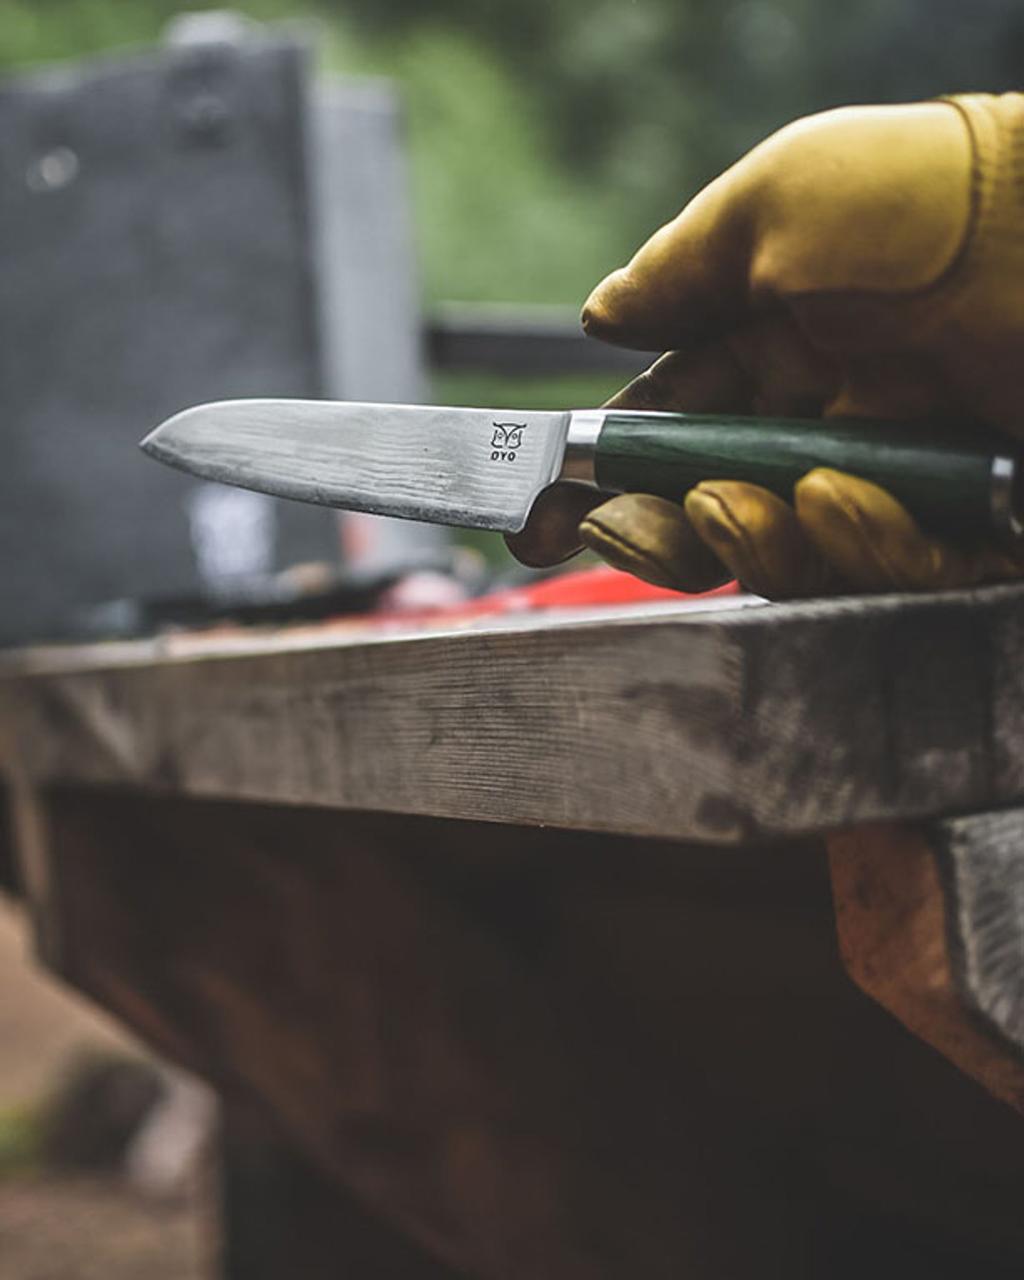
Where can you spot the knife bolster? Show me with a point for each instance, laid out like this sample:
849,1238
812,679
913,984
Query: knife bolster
580,460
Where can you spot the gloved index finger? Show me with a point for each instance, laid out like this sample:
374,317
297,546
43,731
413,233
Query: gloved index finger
766,366
689,281
860,198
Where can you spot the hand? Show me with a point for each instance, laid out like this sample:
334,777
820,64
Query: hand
865,262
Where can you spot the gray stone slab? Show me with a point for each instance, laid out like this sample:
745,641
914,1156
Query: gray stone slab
193,223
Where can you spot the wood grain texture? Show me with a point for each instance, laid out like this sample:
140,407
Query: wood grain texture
543,1055
282,1217
981,857
722,727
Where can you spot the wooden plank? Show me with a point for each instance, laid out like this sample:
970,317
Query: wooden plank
543,1055
281,1217
981,857
906,908
723,726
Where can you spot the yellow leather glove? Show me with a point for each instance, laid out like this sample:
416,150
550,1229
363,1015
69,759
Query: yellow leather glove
868,261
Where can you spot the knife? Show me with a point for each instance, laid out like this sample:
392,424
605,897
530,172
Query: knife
483,468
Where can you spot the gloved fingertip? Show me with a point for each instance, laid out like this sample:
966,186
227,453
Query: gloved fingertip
621,554
825,484
707,504
865,533
758,537
551,533
601,316
714,516
651,538
626,310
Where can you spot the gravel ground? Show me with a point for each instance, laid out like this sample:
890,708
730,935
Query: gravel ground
59,1227
42,1024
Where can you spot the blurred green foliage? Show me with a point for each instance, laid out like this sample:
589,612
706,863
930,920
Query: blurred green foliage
548,137
21,1140
606,115
499,215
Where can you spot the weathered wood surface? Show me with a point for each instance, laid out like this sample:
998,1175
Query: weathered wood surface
929,926
283,1218
981,857
545,1055
723,726
553,1054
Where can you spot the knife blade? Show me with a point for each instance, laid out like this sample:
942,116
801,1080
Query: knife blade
484,468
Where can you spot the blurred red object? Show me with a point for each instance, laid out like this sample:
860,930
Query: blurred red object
589,588
596,588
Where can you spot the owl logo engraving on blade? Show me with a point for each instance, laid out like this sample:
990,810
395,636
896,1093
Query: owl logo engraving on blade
506,441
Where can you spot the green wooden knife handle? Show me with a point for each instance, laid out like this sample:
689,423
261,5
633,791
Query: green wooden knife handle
963,484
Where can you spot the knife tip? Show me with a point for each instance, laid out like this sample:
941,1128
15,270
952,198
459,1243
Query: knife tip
146,444
175,437
157,444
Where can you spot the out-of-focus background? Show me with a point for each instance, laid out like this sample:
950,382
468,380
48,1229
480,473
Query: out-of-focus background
543,141
549,137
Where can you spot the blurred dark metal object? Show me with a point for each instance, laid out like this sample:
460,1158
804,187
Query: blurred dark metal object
98,1110
520,340
184,224
275,599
